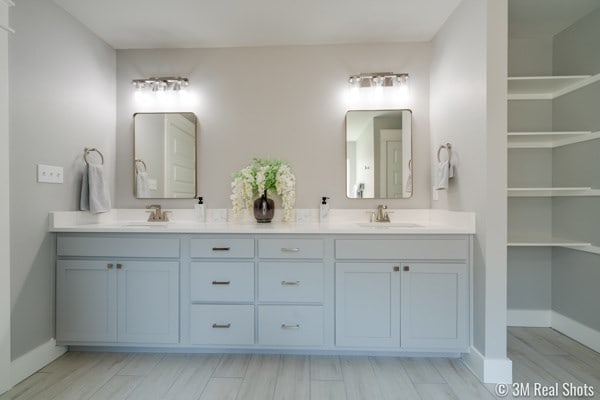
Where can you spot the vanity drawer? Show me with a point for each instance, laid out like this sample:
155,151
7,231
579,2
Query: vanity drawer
455,248
292,282
222,248
290,248
290,325
222,281
222,324
82,246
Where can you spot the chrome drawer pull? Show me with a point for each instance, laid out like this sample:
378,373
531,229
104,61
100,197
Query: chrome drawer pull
290,283
221,248
290,249
224,326
290,326
221,282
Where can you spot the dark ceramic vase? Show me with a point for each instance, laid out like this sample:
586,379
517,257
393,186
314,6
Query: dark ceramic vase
264,209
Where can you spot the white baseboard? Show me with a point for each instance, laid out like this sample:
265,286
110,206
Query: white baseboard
33,361
488,370
576,330
529,318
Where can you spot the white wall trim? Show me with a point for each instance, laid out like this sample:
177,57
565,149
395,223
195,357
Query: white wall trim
576,330
5,302
530,318
33,361
488,370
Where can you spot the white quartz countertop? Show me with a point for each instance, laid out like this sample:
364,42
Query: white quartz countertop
404,221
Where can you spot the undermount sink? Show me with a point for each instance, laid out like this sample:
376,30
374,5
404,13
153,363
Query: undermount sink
385,225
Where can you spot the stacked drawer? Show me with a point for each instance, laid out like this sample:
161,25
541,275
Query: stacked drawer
222,291
290,292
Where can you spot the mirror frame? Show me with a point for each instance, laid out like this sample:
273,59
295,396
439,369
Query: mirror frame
196,143
411,161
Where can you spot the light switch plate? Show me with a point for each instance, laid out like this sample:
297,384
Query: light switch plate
49,174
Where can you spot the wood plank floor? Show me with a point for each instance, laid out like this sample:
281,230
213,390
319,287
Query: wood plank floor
539,355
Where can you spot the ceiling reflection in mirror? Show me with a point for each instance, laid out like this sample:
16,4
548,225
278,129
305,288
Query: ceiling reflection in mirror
379,154
164,155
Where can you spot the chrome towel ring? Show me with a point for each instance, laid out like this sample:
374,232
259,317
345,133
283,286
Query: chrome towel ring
448,148
88,150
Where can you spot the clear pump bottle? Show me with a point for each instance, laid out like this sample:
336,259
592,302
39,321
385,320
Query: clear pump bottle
324,210
200,210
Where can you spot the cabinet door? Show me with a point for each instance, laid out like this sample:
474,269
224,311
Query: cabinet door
367,309
434,306
148,302
86,301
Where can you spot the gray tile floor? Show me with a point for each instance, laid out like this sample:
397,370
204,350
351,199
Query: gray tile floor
539,355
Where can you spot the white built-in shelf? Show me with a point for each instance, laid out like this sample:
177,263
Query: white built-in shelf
552,242
546,140
544,242
551,191
546,87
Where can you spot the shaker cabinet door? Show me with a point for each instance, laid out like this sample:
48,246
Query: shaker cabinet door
148,306
435,308
86,301
367,305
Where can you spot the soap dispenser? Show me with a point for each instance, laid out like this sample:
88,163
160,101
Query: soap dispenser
324,210
200,211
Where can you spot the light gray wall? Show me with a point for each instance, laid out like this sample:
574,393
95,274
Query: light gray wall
577,48
468,110
283,102
525,293
530,56
530,167
62,98
575,294
575,275
5,357
530,115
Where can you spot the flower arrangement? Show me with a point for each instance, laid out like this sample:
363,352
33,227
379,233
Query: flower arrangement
262,176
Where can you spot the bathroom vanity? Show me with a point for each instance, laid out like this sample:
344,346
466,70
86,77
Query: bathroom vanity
339,287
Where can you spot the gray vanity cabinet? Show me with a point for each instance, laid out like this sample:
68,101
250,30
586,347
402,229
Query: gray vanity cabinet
109,300
409,294
392,293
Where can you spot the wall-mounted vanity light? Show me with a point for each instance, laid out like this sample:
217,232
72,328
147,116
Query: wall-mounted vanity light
161,84
378,79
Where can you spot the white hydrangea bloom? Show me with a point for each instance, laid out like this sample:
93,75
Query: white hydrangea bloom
254,179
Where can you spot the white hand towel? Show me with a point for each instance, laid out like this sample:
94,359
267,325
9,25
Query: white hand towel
441,175
142,184
94,191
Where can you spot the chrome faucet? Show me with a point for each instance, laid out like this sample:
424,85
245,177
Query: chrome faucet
156,213
381,215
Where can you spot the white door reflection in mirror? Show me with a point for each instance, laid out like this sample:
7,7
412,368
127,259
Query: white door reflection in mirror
165,155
